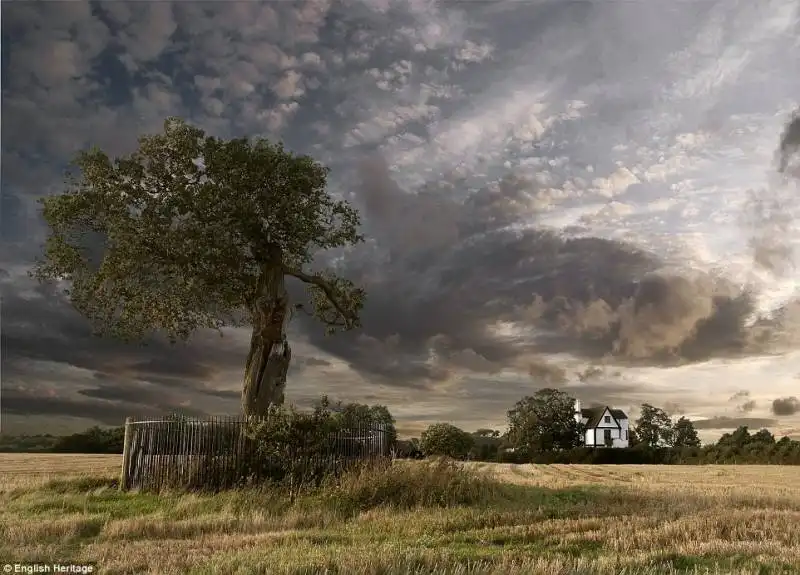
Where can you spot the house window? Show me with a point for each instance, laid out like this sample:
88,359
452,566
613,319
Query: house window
626,434
608,419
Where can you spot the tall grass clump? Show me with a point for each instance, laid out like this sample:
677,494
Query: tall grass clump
409,484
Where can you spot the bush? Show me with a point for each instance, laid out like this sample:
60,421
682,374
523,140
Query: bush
445,439
291,447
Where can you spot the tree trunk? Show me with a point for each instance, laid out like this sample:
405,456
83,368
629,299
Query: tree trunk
268,360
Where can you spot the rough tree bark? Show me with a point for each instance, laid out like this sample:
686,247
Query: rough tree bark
270,354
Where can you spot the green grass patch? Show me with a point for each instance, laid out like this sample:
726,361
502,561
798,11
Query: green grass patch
109,503
80,485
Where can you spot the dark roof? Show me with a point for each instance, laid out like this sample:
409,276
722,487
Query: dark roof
618,414
593,414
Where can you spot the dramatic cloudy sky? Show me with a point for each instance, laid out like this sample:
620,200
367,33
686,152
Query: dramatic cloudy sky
581,194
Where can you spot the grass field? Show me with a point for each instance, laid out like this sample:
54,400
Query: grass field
413,518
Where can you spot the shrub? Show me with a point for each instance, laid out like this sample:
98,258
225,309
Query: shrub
291,447
446,439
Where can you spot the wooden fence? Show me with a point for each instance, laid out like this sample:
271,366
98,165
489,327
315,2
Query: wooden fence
218,453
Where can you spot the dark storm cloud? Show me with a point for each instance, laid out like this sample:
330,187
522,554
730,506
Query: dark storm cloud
172,365
785,406
105,412
126,393
454,262
733,422
155,377
12,216
40,325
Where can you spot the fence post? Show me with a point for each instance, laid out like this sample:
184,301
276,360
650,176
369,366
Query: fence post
126,448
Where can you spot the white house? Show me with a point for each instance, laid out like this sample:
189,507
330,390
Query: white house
605,427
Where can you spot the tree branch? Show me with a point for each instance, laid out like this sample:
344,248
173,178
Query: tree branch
336,295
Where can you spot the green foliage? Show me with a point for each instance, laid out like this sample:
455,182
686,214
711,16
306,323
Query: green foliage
446,439
654,427
684,434
738,439
27,443
543,422
763,436
488,444
736,448
359,415
408,449
298,449
175,236
291,446
93,440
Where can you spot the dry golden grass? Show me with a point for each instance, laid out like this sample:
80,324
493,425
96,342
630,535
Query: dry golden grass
775,481
553,519
31,469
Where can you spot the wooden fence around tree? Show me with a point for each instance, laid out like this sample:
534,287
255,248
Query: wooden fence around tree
217,452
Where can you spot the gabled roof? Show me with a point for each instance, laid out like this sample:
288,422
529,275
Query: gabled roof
594,414
618,414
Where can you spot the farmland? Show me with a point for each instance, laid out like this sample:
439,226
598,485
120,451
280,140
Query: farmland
413,518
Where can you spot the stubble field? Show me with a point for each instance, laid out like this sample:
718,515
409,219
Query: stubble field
413,517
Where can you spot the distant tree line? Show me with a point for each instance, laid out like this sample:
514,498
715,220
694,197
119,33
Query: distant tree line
110,440
541,429
93,440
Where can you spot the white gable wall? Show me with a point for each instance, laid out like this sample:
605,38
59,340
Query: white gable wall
596,437
619,436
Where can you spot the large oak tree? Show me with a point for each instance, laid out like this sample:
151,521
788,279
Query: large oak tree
193,232
544,421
